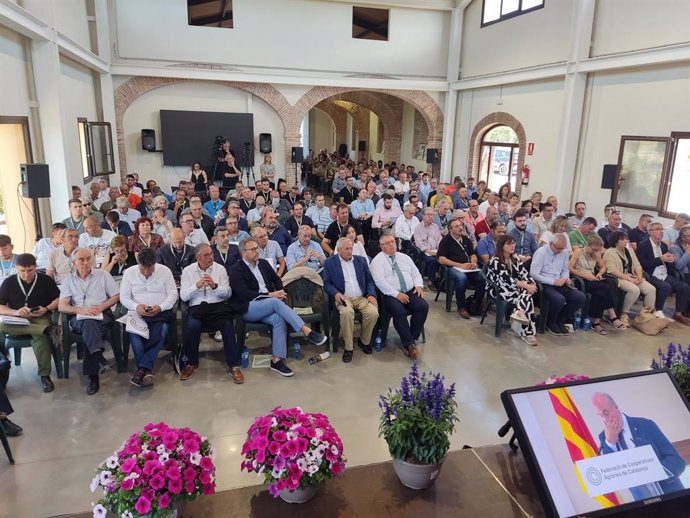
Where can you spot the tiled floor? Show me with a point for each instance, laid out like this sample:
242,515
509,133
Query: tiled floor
66,433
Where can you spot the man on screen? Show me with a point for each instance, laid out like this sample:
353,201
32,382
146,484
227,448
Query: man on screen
622,432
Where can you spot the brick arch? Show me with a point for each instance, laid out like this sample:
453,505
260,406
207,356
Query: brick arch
488,122
338,118
429,109
131,90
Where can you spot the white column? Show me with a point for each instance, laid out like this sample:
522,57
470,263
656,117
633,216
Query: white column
450,108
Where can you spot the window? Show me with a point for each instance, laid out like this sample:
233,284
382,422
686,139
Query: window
96,148
369,23
499,157
210,13
497,10
653,173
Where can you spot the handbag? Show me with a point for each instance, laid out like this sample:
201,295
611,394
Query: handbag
648,324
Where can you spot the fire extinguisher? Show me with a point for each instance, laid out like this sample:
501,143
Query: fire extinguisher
525,174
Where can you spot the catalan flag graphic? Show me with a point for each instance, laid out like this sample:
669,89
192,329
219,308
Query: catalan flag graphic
581,445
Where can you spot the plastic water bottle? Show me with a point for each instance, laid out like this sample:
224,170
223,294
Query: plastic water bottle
377,342
586,324
319,358
245,358
296,351
578,321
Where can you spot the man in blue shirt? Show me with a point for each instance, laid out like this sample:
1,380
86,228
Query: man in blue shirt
305,252
525,244
486,248
214,203
550,267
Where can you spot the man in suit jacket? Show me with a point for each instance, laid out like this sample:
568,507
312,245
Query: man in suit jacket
622,432
258,295
348,281
657,261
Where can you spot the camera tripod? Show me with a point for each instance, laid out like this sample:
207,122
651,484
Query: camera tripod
245,167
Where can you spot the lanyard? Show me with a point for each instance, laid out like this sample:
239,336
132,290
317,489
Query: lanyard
21,286
79,283
224,257
74,223
147,245
7,270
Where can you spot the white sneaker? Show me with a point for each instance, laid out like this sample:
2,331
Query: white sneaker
659,314
218,337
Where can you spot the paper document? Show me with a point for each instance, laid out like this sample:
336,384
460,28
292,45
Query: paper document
472,270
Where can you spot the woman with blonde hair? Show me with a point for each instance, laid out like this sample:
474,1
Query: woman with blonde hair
559,225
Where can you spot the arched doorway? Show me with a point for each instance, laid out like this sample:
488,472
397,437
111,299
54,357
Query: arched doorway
499,154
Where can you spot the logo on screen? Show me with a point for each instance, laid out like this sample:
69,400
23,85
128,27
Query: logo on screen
594,476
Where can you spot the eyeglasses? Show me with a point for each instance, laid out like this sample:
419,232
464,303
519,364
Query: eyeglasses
86,204
187,221
252,249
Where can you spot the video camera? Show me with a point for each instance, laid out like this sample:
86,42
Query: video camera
218,146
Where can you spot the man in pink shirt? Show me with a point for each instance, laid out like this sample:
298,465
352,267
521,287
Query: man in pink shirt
384,217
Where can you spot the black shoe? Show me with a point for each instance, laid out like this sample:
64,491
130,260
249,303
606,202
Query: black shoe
281,368
347,356
366,349
11,429
554,329
47,384
93,386
317,338
137,378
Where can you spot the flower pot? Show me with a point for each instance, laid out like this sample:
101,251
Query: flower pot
298,496
416,476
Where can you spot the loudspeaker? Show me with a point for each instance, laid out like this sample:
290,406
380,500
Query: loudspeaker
362,145
431,155
35,180
297,155
608,177
265,142
148,139
342,150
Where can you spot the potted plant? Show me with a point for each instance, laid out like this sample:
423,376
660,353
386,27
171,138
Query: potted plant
153,472
295,451
417,421
553,379
677,360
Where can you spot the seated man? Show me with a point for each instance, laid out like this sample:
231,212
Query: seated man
177,255
613,224
204,285
87,295
342,217
235,235
456,253
486,248
97,240
276,232
258,297
578,237
525,244
427,237
639,233
348,281
224,253
192,236
46,245
8,259
112,222
269,250
550,267
305,252
405,225
33,296
385,216
149,291
403,288
294,222
658,263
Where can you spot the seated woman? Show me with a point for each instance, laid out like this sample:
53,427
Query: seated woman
622,264
162,226
510,280
558,226
143,236
681,251
588,264
358,249
121,258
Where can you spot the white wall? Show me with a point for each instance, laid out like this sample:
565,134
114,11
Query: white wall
77,99
288,34
654,24
321,131
407,140
653,102
535,38
14,98
194,96
67,16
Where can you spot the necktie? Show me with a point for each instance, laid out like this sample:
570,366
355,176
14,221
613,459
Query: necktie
622,445
398,272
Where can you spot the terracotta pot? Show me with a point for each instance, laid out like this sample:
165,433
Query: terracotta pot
417,476
298,496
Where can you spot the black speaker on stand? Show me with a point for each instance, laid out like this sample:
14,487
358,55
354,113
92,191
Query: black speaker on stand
297,157
35,180
265,144
432,157
148,140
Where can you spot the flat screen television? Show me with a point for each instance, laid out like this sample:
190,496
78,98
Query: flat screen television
617,445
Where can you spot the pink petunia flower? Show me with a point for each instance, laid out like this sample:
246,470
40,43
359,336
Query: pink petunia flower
143,505
164,501
175,486
206,463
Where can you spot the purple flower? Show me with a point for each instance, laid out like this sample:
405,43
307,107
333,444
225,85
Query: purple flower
143,505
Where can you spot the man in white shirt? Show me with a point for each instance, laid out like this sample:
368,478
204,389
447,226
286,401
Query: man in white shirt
87,296
541,223
206,287
490,202
402,185
60,264
270,250
46,245
671,232
192,236
405,225
403,288
126,214
320,215
97,240
150,294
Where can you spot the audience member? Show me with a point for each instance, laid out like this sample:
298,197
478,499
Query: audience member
681,252
294,222
177,255
46,245
335,229
525,244
578,218
486,247
224,253
121,258
578,237
8,260
671,232
269,250
639,233
559,225
97,240
405,225
60,263
542,222
305,252
75,219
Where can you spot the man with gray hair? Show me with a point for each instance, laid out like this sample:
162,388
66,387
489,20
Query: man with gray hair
126,214
305,252
347,280
87,296
550,267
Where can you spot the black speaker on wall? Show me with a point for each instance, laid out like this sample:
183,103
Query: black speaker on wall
362,145
431,156
148,140
608,177
35,180
342,150
297,155
265,142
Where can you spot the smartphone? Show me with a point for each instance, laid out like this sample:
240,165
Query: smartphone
148,308
34,309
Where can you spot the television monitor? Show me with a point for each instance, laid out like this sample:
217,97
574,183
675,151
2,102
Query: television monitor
609,446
